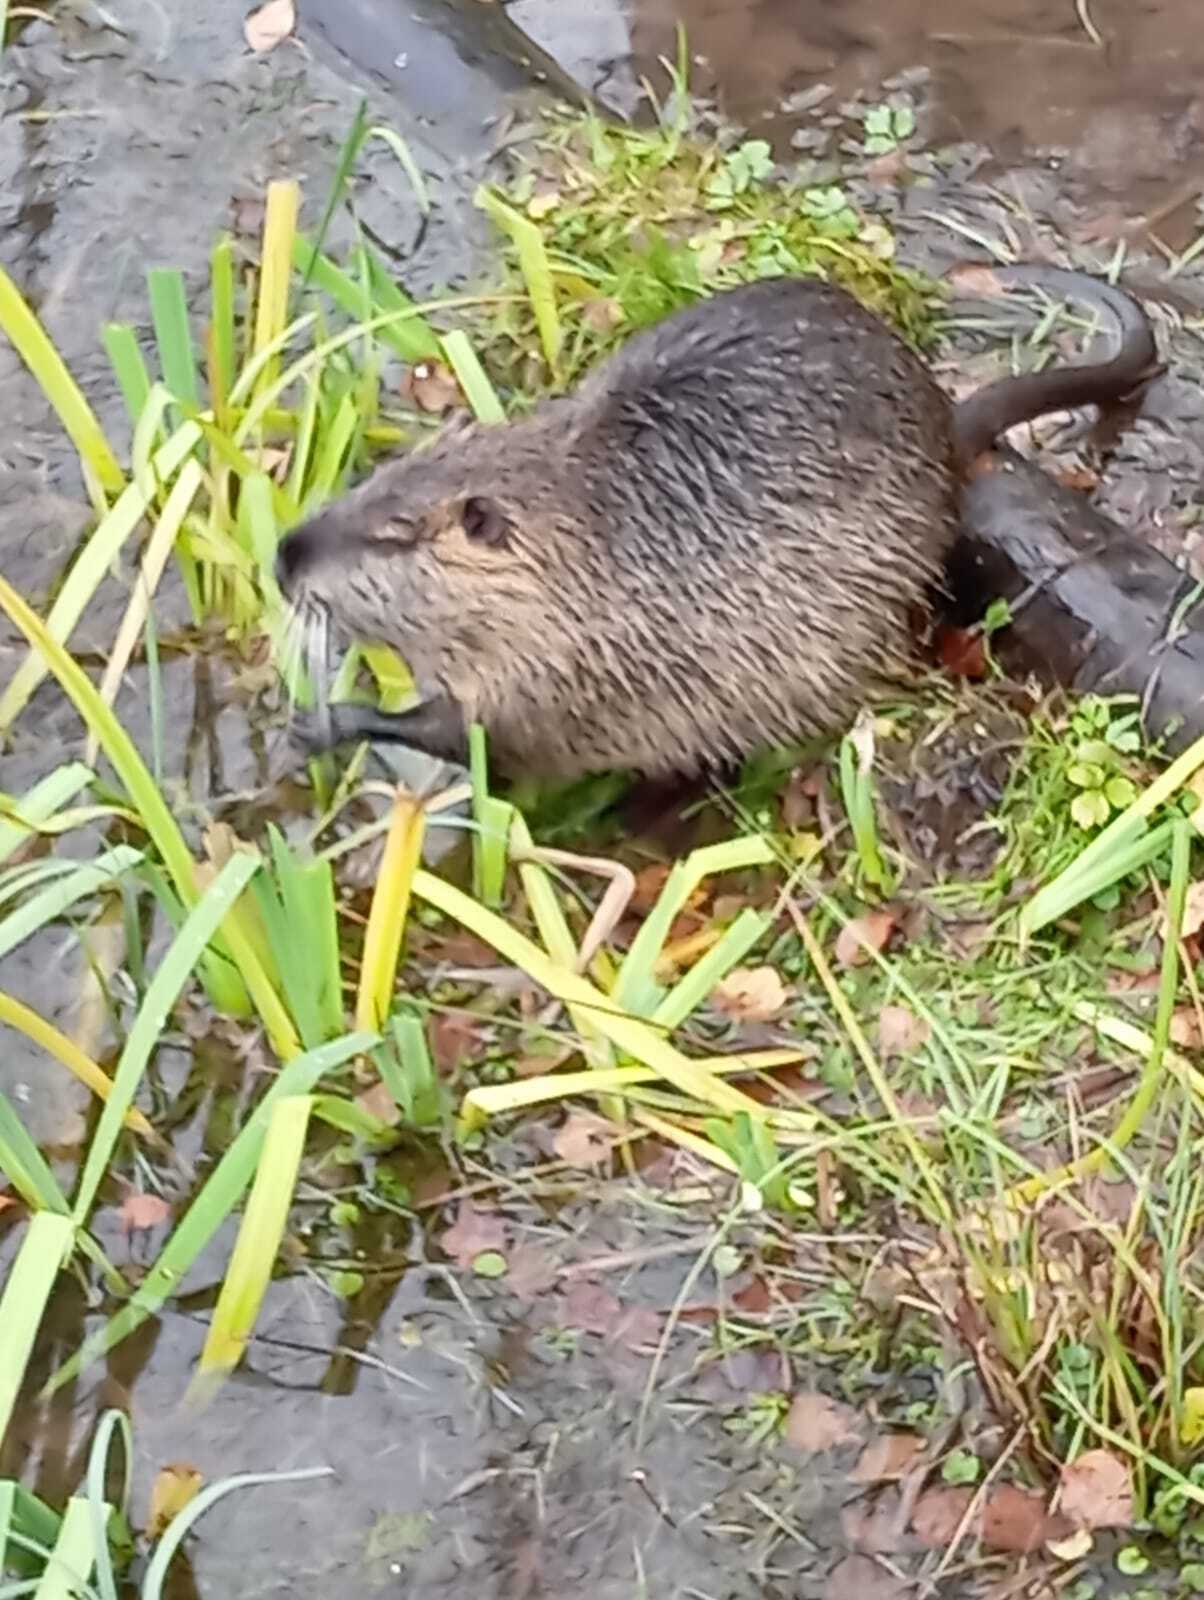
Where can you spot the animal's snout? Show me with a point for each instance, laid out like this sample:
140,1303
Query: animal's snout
297,554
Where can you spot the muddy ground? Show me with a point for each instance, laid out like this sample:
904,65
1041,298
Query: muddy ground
493,1438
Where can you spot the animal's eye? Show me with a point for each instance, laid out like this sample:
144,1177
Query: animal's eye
484,521
398,531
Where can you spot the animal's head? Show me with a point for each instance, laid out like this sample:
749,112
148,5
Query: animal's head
438,554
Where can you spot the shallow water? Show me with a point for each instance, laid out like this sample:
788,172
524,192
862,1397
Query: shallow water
1110,91
474,1442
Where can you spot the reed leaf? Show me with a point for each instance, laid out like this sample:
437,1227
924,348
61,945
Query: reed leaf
31,1278
259,1236
102,473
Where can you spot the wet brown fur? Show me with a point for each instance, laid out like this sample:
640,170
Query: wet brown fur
716,543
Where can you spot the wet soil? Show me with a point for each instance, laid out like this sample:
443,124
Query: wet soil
489,1434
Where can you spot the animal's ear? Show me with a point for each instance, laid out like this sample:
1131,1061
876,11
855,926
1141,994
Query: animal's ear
484,521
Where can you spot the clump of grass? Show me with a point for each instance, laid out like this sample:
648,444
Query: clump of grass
636,223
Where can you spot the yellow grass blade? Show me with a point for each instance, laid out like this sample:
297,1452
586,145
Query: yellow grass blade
271,313
637,1038
693,1142
102,474
494,1099
387,917
259,1236
158,550
90,567
18,1015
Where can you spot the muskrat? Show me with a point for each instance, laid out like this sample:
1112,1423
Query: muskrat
719,542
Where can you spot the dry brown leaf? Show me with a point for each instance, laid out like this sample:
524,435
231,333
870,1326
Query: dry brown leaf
583,1140
872,1525
432,387
900,1031
973,278
649,882
590,1307
887,1458
938,1515
1075,1547
1097,1491
886,167
531,1271
379,1103
1016,1520
751,994
144,1211
1193,911
602,314
814,1423
872,929
962,653
270,25
455,1037
472,1233
171,1491
861,1578
1186,1031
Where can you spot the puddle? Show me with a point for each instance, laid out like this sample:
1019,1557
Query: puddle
478,1437
1109,90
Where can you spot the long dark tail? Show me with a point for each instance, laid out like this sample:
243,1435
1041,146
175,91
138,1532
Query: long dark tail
979,420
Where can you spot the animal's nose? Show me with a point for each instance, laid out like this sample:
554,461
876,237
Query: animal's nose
294,555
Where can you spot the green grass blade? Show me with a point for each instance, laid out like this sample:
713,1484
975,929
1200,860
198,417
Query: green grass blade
40,803
472,378
181,1525
413,339
635,989
173,334
27,336
221,328
307,891
44,1249
224,983
333,459
553,927
493,819
218,1197
303,444
99,1471
170,977
409,1074
259,1236
90,567
50,903
156,816
534,266
691,990
129,368
73,1557
1094,871
25,1167
352,145
408,165
154,684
